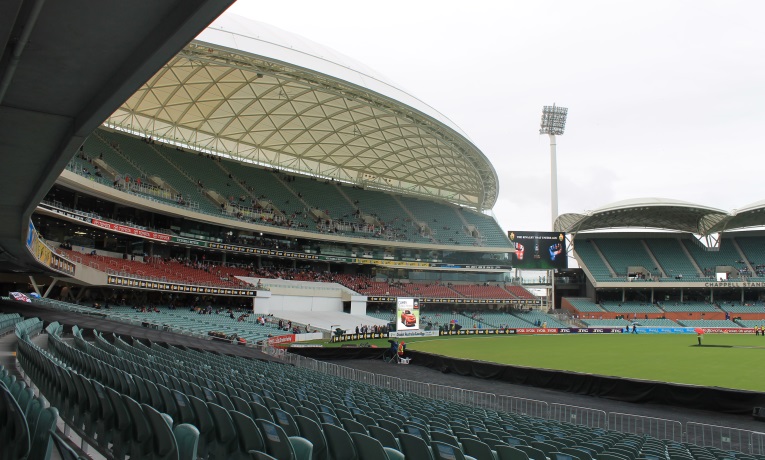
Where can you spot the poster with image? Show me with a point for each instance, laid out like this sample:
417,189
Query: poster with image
407,314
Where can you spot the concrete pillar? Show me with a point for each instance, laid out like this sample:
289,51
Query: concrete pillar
34,285
50,288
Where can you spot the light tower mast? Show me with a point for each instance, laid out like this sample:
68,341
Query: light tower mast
553,123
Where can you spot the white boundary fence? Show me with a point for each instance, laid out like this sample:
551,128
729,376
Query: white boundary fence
726,438
637,424
700,434
523,406
576,415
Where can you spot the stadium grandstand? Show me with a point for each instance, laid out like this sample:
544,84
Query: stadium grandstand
189,194
277,183
655,259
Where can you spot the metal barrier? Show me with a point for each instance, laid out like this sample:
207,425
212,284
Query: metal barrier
576,415
366,377
480,399
637,424
725,438
523,406
417,388
758,443
388,382
445,393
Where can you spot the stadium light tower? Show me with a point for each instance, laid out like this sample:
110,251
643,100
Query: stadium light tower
553,123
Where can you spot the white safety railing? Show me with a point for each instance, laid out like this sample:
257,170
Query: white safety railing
637,424
576,415
725,438
523,406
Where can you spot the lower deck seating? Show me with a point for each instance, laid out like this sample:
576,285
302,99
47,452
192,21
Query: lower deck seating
607,322
236,405
725,323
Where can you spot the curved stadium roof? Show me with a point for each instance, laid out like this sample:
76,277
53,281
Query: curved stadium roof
665,214
259,94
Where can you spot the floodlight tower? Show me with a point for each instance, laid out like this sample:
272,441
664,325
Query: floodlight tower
553,123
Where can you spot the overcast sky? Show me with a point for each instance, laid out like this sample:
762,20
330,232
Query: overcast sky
666,98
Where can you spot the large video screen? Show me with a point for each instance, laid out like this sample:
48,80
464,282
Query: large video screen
539,250
407,314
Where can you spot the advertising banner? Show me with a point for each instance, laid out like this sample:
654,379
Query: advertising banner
46,255
539,250
282,339
407,314
589,330
413,334
479,332
350,337
536,330
129,282
130,230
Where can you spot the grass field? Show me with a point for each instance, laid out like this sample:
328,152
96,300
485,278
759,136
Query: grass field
730,361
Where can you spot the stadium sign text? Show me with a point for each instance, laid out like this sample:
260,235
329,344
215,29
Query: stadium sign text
148,234
138,283
289,338
413,334
727,284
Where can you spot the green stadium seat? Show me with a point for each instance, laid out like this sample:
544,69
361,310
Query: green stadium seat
414,447
248,435
511,453
276,440
369,448
311,430
226,442
340,443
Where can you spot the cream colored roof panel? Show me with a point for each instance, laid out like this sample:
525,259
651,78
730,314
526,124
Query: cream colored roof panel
260,94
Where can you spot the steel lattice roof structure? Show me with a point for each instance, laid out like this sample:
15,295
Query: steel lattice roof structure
259,94
664,214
